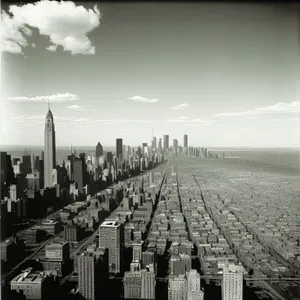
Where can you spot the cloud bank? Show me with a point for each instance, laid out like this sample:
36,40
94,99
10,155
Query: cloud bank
179,106
66,25
51,98
278,108
143,99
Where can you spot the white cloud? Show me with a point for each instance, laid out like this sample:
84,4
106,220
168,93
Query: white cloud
33,45
66,25
51,98
278,108
118,121
179,106
81,120
75,107
52,48
190,122
29,119
144,99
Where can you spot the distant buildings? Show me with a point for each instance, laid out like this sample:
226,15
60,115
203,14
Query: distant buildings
49,150
232,284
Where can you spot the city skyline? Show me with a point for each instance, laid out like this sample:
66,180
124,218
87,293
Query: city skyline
225,76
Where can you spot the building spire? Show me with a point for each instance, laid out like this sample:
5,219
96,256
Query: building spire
48,104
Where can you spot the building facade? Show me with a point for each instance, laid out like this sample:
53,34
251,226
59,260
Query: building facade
49,150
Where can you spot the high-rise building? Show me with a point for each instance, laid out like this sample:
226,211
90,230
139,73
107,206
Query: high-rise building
232,284
92,274
111,237
175,146
166,142
33,180
49,150
194,286
185,141
154,143
177,288
78,173
136,251
132,285
159,146
26,167
99,152
119,147
148,284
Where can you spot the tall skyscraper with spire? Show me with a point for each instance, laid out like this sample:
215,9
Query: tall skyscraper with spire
49,150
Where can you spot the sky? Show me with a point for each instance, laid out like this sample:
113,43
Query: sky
225,74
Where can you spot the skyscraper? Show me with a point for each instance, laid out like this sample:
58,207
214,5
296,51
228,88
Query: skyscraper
232,285
148,284
185,141
177,287
154,143
175,146
166,142
49,150
194,286
99,152
92,274
119,147
110,237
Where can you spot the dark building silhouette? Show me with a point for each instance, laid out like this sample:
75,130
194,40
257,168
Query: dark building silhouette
99,151
185,141
119,147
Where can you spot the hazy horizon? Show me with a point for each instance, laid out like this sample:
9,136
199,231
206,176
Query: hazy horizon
223,73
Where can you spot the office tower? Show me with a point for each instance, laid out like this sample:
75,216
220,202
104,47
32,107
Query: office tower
13,192
111,237
92,274
33,181
99,152
194,286
154,143
159,146
132,285
109,157
180,264
119,147
148,284
148,258
175,146
177,288
78,173
166,142
136,251
26,163
49,150
232,285
6,168
185,141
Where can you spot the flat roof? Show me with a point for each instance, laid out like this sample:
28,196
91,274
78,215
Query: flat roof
110,223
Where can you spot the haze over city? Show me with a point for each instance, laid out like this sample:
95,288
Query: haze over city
225,74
